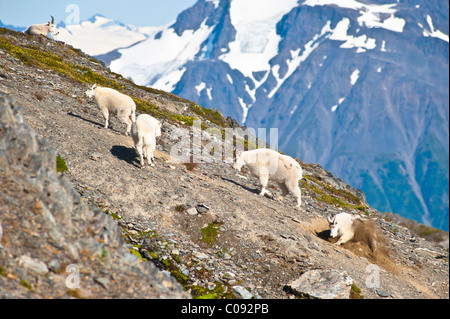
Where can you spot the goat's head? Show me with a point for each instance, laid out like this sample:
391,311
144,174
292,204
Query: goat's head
52,27
334,227
91,92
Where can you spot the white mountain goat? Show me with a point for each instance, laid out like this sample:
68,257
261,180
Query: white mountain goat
341,225
43,29
144,132
350,227
113,102
267,164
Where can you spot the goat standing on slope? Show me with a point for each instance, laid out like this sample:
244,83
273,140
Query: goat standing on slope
113,102
267,164
144,132
43,29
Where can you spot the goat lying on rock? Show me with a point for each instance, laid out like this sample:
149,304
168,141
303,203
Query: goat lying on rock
113,102
267,164
43,29
144,132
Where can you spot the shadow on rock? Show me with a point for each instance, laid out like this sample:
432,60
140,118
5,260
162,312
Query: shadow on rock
84,119
126,154
255,191
100,125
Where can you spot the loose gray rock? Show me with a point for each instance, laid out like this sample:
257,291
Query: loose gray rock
383,293
322,284
202,209
241,293
192,211
32,264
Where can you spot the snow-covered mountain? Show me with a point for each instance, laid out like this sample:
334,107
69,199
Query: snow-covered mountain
360,87
100,35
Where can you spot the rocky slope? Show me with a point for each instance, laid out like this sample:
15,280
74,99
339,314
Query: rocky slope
50,240
202,224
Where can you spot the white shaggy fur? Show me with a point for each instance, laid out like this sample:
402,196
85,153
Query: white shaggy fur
342,225
113,102
43,29
267,164
144,132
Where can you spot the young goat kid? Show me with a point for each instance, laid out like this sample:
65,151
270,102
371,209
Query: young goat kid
267,164
144,133
113,102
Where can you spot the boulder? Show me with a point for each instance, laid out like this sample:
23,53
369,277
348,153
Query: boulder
322,284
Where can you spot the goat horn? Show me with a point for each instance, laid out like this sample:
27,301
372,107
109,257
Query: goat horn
331,219
53,19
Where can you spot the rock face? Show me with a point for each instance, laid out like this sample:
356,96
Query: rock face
203,224
52,245
322,284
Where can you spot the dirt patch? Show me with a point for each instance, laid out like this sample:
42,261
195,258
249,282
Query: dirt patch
368,242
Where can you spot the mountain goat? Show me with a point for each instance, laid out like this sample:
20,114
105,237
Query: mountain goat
341,225
43,29
350,227
144,132
267,164
113,102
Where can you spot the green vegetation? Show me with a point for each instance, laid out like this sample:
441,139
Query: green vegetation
180,208
61,166
74,293
26,284
326,193
210,233
355,293
115,216
155,111
136,253
172,266
219,292
214,116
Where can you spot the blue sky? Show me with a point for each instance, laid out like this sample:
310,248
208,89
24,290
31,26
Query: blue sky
136,12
